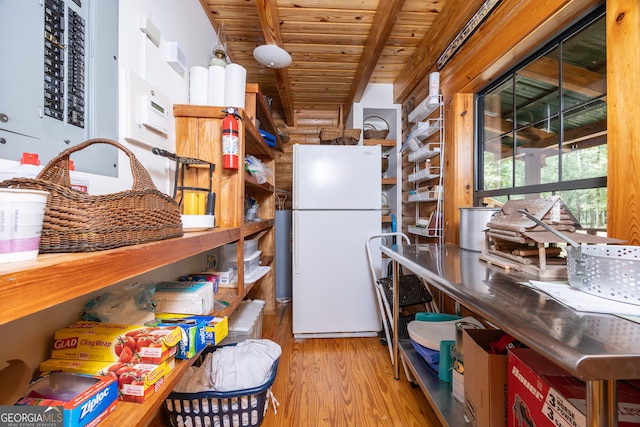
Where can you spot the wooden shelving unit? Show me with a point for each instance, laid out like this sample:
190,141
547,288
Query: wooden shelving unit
198,134
52,279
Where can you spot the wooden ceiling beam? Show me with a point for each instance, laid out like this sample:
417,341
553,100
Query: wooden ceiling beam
454,15
381,28
270,24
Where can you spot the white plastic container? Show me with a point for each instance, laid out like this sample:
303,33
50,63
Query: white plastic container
229,252
30,167
251,263
245,322
21,217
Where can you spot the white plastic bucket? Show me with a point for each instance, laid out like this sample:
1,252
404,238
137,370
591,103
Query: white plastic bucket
21,217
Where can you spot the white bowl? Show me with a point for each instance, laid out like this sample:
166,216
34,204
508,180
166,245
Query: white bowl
197,222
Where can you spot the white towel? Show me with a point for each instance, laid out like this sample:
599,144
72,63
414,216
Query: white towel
245,365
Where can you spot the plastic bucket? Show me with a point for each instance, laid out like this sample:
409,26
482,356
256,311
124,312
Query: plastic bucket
21,217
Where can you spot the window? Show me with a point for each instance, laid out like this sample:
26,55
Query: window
542,127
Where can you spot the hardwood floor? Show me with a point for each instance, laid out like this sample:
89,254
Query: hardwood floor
339,382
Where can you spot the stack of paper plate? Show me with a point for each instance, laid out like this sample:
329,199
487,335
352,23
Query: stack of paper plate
197,222
429,334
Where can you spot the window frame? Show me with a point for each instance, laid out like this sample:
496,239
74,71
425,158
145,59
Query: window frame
479,193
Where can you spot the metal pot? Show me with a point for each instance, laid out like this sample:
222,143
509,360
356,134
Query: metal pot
473,222
461,325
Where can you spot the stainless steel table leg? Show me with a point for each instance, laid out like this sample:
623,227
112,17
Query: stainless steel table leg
396,309
602,403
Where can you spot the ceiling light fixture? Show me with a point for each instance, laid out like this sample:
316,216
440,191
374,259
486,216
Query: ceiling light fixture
272,56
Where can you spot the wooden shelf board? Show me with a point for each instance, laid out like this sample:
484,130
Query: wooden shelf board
254,142
251,181
252,227
198,111
382,142
389,181
52,279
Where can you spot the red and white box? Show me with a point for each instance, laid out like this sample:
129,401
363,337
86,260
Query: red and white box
111,342
542,394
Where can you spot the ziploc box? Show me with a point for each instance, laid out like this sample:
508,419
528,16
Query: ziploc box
90,398
216,327
184,297
543,394
135,382
194,336
112,342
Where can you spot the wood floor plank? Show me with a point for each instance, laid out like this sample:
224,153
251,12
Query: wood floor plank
340,382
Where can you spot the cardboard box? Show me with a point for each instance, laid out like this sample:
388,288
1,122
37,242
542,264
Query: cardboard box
134,382
485,379
216,328
543,394
202,277
111,342
184,297
194,337
94,397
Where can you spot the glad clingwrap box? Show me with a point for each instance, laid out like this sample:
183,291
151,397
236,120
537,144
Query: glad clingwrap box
135,382
84,400
543,394
110,342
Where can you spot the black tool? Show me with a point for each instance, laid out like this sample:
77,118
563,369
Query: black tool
183,164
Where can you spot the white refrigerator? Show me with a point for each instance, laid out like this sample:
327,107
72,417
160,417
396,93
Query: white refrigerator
336,208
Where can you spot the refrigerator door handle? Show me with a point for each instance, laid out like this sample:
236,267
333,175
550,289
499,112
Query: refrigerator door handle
296,245
294,201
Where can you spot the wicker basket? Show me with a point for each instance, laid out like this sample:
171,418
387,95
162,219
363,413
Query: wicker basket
220,408
371,131
340,136
78,222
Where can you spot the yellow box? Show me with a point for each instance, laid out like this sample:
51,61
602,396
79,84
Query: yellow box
216,330
111,342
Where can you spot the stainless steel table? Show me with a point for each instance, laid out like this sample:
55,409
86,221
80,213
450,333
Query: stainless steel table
597,348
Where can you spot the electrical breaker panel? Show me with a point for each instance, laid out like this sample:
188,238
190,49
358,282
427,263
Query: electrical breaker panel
61,66
61,89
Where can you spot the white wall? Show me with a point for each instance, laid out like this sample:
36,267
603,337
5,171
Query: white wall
181,21
184,22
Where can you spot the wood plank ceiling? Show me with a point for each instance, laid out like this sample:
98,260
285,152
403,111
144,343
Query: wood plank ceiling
337,46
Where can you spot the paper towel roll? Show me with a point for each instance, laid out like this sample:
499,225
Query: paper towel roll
216,85
235,85
198,81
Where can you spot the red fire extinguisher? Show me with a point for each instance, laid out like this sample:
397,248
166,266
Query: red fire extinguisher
230,148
